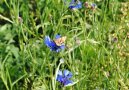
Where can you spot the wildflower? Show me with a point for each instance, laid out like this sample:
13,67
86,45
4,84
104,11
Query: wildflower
93,6
86,4
64,77
115,39
56,45
61,60
90,5
73,5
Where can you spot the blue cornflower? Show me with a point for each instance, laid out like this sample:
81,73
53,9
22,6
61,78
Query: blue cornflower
73,5
90,5
64,77
52,45
93,5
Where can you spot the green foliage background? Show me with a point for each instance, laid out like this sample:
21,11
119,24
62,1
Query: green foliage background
96,46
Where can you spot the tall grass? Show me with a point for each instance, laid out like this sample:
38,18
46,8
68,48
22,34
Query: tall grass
96,47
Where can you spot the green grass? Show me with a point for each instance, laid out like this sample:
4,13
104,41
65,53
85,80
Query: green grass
96,50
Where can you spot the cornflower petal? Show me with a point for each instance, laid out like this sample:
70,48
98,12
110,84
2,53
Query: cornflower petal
71,7
57,36
58,49
79,5
67,74
68,82
59,78
60,73
62,47
48,41
72,2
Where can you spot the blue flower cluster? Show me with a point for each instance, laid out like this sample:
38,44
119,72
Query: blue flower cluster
52,45
74,5
64,77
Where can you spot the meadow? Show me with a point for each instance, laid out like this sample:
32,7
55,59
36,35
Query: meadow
91,51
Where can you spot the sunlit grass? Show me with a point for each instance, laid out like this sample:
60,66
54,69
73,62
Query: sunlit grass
96,46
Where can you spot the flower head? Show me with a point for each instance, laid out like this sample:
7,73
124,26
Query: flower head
93,5
64,77
53,45
61,60
86,4
90,5
74,5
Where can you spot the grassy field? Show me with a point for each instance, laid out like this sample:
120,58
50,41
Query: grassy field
96,48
